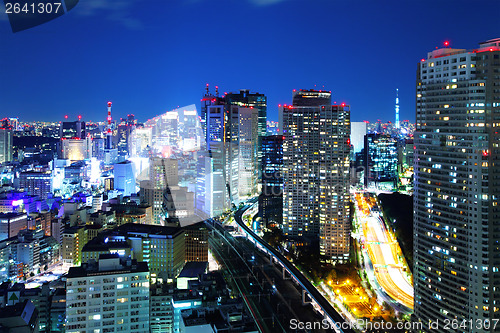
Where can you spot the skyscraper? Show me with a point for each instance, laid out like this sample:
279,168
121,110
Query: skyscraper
316,171
456,219
247,155
229,170
163,173
381,161
211,188
124,177
6,144
271,198
256,101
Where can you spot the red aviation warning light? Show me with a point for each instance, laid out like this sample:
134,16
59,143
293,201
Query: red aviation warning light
66,117
446,43
109,104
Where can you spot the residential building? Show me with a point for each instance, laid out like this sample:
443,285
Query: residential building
316,172
457,187
111,295
163,248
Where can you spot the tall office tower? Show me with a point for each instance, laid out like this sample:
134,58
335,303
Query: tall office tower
72,130
6,144
231,127
163,175
247,155
141,140
207,101
124,177
316,171
271,198
111,295
381,161
124,134
358,132
211,184
36,183
257,101
456,246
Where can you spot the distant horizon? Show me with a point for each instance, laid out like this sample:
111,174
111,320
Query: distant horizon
149,58
69,119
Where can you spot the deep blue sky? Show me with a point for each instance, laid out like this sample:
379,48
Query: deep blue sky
148,57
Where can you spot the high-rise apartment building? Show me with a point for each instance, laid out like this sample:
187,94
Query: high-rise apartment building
457,188
111,295
316,171
6,144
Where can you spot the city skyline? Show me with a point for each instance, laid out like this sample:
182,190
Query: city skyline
73,65
264,165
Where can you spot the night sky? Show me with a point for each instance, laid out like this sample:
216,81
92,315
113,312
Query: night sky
148,57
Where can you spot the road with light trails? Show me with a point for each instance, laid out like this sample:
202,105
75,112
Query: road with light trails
383,250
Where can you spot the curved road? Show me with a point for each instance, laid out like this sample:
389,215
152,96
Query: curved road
311,290
383,255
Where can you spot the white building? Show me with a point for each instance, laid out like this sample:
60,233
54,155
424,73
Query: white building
248,157
358,132
109,296
124,178
76,149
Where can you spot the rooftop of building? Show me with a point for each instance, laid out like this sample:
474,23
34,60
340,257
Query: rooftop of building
108,264
152,230
193,269
10,215
225,318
